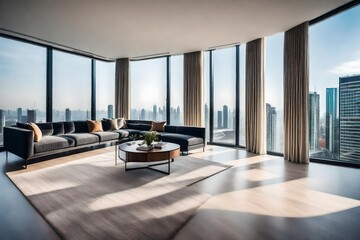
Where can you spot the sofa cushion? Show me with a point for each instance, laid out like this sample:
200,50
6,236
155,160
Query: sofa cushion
158,126
58,128
106,136
37,132
109,124
122,133
46,128
52,143
134,126
69,127
170,129
183,140
82,138
81,127
94,126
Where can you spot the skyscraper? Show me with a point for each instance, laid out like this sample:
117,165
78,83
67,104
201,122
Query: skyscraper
271,117
67,114
226,116
219,120
349,88
2,120
142,114
110,111
332,128
314,121
19,114
31,116
154,113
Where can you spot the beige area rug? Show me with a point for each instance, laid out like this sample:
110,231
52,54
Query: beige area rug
92,198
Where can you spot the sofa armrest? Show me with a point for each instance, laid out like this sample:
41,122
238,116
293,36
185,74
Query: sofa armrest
19,141
192,131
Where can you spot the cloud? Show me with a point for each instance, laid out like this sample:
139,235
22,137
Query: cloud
348,68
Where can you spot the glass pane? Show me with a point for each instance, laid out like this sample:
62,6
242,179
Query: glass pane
224,95
207,94
177,90
242,95
148,89
274,96
334,97
23,83
72,87
105,89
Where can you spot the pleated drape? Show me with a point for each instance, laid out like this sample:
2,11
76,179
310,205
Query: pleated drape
122,88
255,120
296,92
193,89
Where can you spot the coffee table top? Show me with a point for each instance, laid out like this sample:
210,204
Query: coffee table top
132,148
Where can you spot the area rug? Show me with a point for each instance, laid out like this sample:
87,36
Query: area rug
93,198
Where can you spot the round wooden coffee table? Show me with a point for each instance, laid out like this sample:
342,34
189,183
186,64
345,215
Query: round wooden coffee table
129,153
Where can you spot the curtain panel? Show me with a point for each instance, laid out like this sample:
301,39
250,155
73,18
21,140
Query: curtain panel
193,89
122,88
255,120
296,92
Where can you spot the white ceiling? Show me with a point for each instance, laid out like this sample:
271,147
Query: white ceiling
132,28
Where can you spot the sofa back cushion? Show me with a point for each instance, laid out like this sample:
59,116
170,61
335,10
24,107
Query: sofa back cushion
58,128
46,128
69,127
81,127
170,129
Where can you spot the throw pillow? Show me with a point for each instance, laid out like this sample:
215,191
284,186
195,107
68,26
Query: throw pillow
110,124
94,126
36,130
158,126
120,122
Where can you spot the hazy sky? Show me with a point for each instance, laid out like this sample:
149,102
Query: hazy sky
334,52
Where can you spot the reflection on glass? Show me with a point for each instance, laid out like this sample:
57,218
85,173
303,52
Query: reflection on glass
207,94
22,83
177,90
334,96
105,89
148,89
274,93
224,95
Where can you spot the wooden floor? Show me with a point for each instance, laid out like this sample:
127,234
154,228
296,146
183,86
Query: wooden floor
260,197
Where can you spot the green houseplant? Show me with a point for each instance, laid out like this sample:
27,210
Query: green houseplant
149,137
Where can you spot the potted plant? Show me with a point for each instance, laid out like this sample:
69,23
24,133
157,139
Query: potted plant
149,137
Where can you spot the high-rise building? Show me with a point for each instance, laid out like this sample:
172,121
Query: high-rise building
31,115
19,114
271,117
154,113
67,114
110,111
349,92
226,116
331,125
314,121
2,120
219,120
142,114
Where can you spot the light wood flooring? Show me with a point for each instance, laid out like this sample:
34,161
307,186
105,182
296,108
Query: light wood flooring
260,197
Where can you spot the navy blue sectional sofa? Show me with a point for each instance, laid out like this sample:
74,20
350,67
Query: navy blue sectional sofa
67,137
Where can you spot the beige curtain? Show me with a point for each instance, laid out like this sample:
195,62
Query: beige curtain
122,88
296,91
255,120
193,89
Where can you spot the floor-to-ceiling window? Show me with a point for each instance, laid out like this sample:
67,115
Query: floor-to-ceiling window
224,64
334,96
105,89
274,92
177,90
71,87
148,89
242,62
22,83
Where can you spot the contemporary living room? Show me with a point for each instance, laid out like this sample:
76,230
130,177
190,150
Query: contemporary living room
161,119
